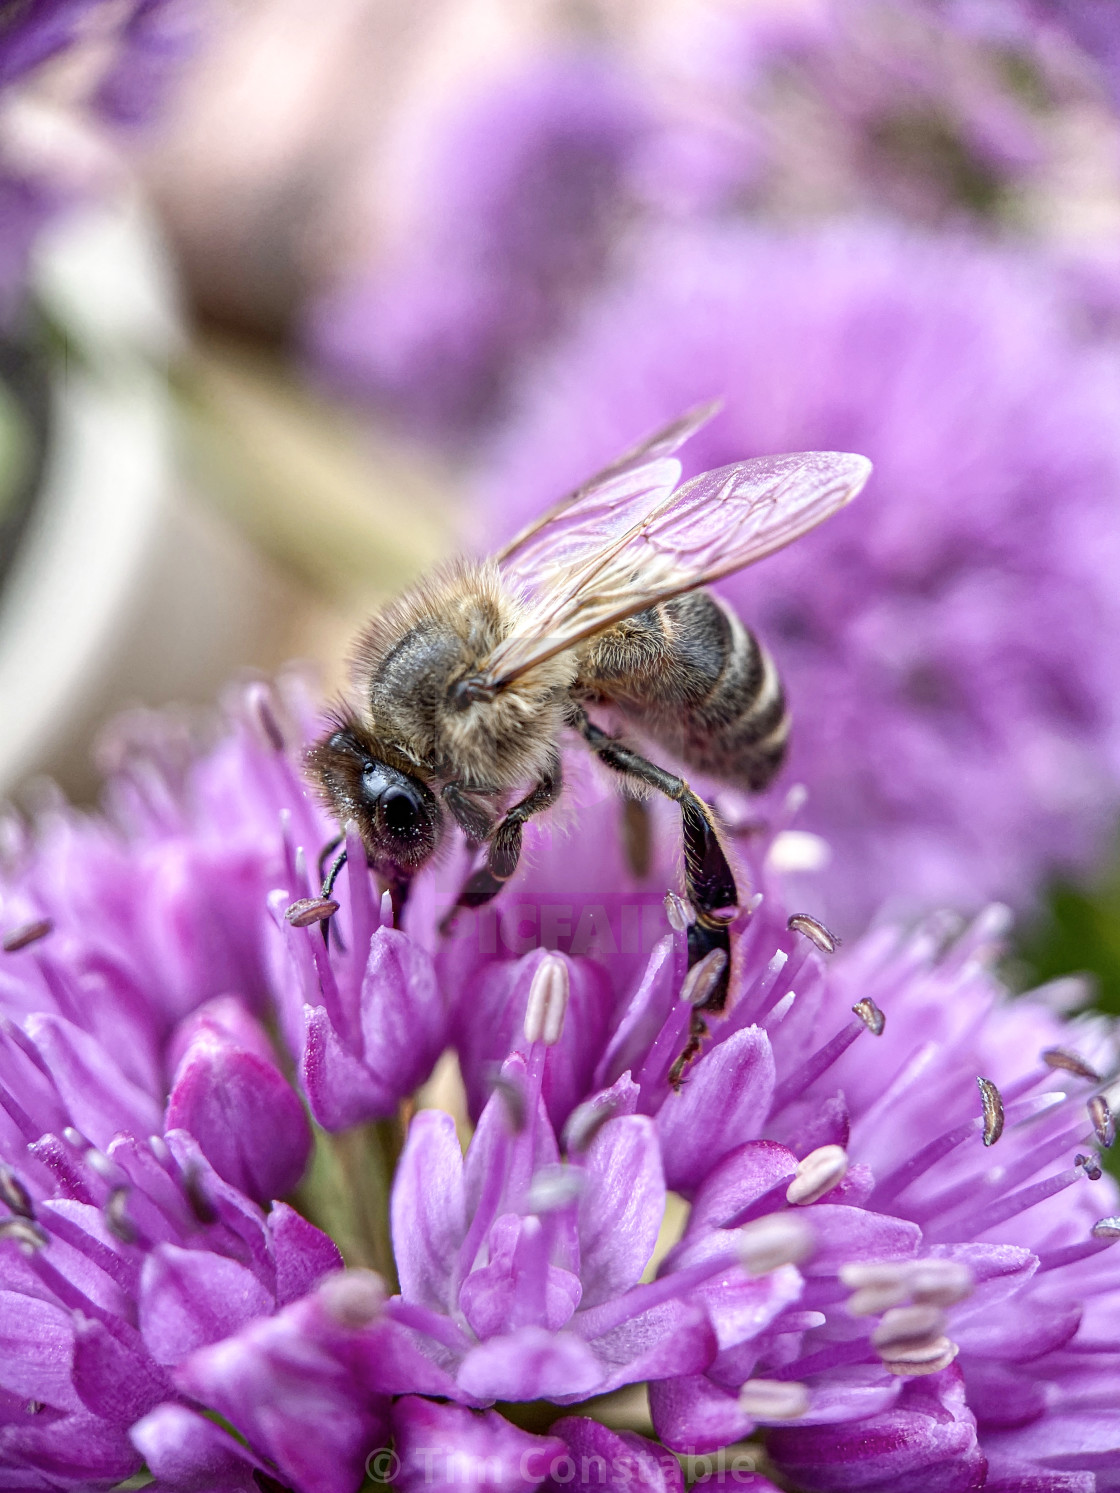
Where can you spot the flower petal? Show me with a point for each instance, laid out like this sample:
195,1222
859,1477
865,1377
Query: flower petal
427,1209
621,1208
187,1453
530,1364
189,1297
243,1113
734,1081
618,1461
444,1447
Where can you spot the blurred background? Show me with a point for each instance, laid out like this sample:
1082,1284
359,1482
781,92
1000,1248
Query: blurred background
298,298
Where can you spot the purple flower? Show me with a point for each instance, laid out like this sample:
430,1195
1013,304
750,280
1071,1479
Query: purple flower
945,640
519,1273
514,219
897,1277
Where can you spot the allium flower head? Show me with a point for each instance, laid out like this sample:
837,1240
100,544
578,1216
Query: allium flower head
945,641
897,1277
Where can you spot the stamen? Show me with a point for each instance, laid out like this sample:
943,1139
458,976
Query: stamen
1090,1166
15,1194
1101,1116
117,1220
554,1188
878,1287
680,914
24,1232
27,933
814,930
905,1328
773,1399
1106,1228
198,1198
353,1298
916,1361
1017,1202
584,1124
940,1282
871,1016
703,977
548,1001
768,1243
513,1101
307,910
795,1085
1069,1062
817,1173
993,1111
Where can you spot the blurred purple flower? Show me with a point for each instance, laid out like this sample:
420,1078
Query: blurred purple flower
514,220
945,641
142,42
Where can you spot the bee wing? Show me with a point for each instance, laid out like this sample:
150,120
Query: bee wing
605,505
715,524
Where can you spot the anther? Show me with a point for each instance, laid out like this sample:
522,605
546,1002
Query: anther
1106,1228
817,1173
993,1110
878,1287
680,914
703,977
768,1243
1090,1166
1101,1116
1069,1062
939,1282
74,1137
905,1328
26,933
117,1220
584,1124
912,1362
773,1399
353,1298
34,1407
307,910
548,1001
198,1198
814,930
24,1232
553,1188
871,1016
15,1194
512,1100
99,1163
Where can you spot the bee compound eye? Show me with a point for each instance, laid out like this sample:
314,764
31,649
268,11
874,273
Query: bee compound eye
401,810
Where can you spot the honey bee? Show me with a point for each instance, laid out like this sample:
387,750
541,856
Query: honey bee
470,680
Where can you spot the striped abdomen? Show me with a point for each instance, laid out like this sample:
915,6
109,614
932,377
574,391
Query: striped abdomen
692,676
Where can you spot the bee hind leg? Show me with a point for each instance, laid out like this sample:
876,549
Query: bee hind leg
505,844
709,878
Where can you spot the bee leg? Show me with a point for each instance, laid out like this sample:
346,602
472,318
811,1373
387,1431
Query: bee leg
329,849
470,816
708,876
505,845
328,878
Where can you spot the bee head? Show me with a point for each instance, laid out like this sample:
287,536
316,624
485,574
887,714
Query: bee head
397,814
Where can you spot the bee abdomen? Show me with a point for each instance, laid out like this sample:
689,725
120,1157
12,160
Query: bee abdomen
700,684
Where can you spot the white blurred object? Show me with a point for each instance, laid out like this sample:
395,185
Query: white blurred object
123,590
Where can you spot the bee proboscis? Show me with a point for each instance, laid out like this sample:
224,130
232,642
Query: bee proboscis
470,679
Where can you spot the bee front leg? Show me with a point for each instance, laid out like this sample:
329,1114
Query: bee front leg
505,843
